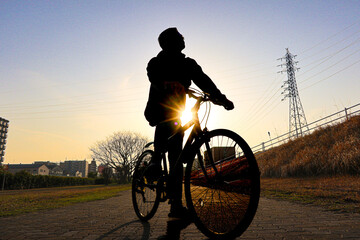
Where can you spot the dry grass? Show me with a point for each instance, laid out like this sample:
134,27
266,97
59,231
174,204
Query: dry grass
322,168
329,151
15,202
341,193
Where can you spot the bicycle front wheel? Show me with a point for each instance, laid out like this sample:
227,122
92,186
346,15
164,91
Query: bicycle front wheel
145,196
222,184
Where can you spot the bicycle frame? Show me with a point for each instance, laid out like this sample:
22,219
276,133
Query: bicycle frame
196,133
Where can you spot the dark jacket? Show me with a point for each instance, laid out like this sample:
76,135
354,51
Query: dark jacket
166,102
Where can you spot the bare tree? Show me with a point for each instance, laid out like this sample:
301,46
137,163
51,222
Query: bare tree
120,152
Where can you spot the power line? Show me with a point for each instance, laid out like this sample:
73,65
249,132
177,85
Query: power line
324,59
264,114
332,75
256,107
328,38
331,66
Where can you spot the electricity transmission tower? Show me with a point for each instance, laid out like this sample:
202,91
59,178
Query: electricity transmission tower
297,119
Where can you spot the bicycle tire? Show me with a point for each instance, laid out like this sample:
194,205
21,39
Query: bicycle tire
145,196
223,204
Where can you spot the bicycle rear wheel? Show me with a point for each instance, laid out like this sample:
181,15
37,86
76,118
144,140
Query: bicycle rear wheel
222,184
145,196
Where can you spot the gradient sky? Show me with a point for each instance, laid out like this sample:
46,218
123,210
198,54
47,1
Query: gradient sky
74,72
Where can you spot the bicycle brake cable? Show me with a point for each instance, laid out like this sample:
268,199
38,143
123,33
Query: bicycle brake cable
208,113
204,115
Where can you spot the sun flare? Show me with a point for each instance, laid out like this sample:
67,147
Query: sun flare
186,115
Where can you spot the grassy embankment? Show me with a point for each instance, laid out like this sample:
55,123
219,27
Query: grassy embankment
15,202
322,168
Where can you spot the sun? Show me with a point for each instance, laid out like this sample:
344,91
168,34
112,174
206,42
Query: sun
186,115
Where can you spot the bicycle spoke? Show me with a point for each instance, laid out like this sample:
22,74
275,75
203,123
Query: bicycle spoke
221,201
144,194
201,193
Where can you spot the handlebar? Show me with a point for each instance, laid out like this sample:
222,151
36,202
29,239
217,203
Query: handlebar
205,97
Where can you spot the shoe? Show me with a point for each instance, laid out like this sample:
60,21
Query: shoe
153,172
179,212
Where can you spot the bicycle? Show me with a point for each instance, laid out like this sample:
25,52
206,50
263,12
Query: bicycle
221,183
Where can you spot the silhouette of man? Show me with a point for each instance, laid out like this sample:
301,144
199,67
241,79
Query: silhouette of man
170,74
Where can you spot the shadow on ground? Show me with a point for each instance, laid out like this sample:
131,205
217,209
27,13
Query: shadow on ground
143,230
173,229
136,224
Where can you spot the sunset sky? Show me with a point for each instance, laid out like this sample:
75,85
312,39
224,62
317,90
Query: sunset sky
74,72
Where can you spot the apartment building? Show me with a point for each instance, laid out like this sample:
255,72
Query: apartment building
4,124
93,166
75,168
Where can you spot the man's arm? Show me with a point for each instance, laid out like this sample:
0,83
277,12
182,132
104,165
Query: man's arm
201,79
207,85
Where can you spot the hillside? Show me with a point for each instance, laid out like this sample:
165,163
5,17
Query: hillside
328,151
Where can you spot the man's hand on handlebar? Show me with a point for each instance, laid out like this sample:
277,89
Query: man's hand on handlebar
228,105
223,101
219,99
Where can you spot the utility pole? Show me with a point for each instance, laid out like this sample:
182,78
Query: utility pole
297,119
270,140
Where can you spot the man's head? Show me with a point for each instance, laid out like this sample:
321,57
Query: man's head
171,40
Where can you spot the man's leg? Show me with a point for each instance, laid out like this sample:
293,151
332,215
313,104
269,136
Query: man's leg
160,143
175,183
176,169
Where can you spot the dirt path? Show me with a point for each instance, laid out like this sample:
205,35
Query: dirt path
115,219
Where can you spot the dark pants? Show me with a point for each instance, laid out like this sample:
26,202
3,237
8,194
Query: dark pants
162,132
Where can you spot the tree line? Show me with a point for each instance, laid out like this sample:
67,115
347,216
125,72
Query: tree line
25,180
119,153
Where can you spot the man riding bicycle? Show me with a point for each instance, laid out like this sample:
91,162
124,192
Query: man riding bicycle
170,74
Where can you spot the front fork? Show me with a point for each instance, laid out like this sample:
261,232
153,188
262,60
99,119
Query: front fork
203,165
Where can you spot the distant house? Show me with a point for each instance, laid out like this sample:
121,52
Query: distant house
34,169
54,169
101,168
